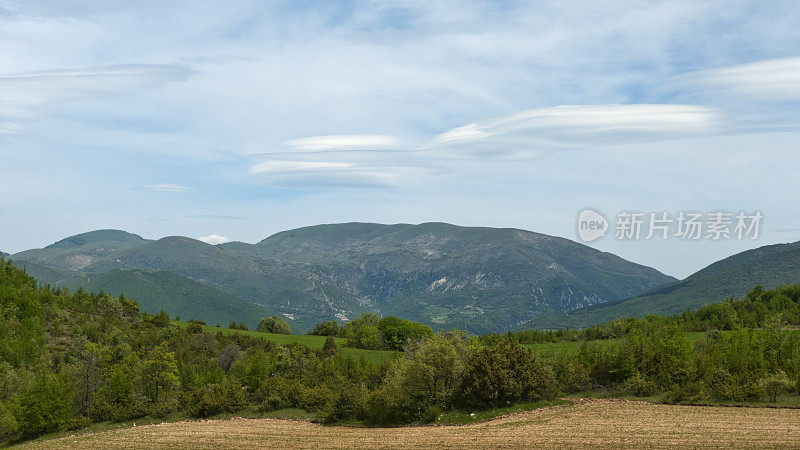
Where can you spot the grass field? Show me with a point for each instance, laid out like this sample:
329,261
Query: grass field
583,422
316,342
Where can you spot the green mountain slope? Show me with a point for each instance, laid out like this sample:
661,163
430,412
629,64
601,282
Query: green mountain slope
771,266
77,252
481,279
155,290
444,275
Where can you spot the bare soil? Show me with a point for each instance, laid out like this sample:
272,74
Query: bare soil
587,422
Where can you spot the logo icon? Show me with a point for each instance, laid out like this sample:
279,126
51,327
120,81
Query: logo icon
591,225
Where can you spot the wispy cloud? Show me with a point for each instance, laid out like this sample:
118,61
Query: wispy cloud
342,142
298,166
31,95
214,217
775,80
166,187
534,130
325,174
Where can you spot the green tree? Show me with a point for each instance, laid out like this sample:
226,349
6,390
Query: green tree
775,385
423,382
45,406
505,374
364,333
330,348
274,324
160,372
397,332
327,328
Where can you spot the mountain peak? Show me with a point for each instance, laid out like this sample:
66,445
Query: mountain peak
93,237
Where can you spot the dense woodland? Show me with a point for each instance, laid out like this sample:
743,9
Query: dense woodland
70,359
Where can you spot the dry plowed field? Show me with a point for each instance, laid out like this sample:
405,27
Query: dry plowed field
610,423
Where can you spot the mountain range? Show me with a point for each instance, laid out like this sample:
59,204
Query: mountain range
770,266
479,279
446,276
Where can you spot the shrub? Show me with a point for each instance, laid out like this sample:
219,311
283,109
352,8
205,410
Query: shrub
775,385
691,392
364,333
330,348
425,380
195,326
327,328
9,429
161,319
396,332
347,404
280,393
45,406
226,396
275,325
505,374
572,375
640,386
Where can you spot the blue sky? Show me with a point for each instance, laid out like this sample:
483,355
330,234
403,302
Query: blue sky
241,119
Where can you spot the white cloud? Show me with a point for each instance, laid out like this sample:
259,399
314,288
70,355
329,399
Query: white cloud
535,130
342,142
31,95
325,174
297,166
166,188
768,80
214,239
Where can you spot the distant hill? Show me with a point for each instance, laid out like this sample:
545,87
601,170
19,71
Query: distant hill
771,266
155,290
481,279
77,252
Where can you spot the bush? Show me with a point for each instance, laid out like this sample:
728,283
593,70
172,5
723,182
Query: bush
280,393
161,319
572,375
775,385
364,333
9,429
327,328
425,380
195,326
396,332
330,348
725,386
274,324
348,404
640,386
692,392
44,407
226,396
505,374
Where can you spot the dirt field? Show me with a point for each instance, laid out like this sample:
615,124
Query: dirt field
608,423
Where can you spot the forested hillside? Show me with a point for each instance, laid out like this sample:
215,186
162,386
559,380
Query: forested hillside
770,266
70,359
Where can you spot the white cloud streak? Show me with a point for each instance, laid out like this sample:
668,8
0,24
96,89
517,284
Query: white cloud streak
166,188
774,80
342,142
533,131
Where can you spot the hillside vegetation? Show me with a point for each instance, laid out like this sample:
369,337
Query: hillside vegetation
770,266
70,359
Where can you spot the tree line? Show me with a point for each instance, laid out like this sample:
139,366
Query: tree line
69,359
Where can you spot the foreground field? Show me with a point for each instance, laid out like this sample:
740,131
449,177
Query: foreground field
585,423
